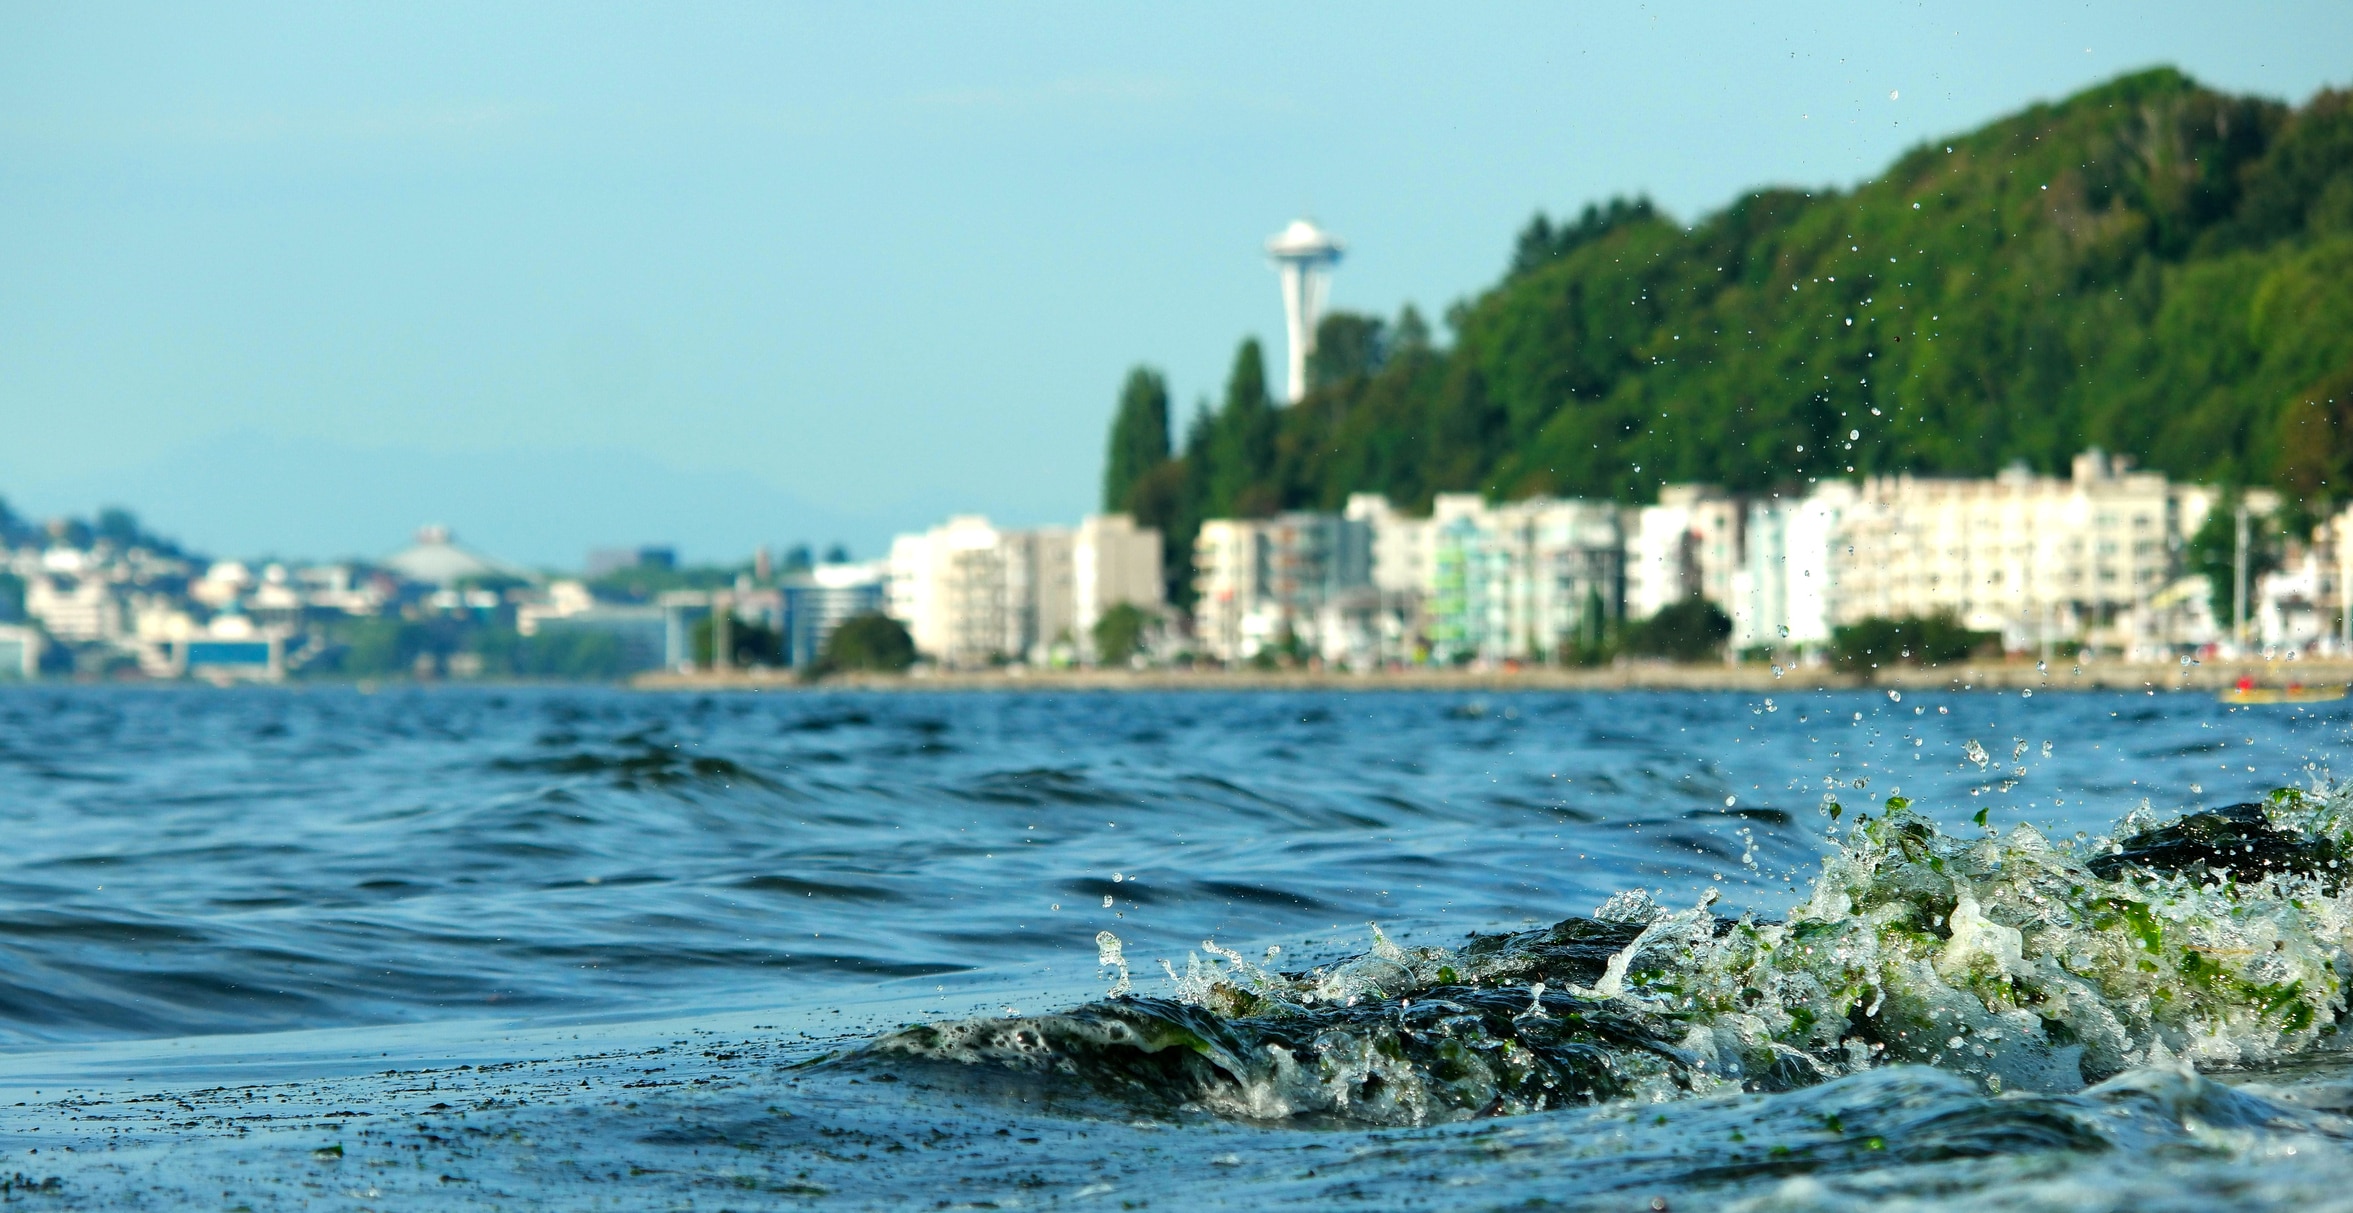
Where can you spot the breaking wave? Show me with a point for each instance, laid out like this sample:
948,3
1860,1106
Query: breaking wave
2013,961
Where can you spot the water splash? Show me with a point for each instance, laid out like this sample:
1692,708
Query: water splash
2220,939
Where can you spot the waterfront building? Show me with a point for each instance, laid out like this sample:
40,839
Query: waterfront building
1521,581
2037,558
1784,594
76,608
1686,546
825,597
960,589
1113,562
1263,584
1373,586
642,632
973,594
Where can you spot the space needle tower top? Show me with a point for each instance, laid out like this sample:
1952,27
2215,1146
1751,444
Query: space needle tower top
1304,255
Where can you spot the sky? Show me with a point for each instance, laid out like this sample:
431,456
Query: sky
295,279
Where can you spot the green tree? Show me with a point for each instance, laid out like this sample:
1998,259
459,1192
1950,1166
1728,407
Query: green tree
1925,640
1690,630
1119,633
1347,346
1139,437
749,643
1242,443
872,641
2213,554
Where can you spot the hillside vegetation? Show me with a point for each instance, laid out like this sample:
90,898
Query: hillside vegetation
2149,266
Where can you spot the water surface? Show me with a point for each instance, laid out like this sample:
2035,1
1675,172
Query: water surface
239,927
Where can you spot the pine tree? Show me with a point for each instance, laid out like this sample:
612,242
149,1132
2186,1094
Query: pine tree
1139,437
1242,447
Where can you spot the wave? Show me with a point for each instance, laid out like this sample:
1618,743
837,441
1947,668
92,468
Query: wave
2220,939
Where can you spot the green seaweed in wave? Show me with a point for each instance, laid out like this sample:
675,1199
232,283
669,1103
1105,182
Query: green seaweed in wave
2220,939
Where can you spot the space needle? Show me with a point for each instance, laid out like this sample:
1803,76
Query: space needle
1304,255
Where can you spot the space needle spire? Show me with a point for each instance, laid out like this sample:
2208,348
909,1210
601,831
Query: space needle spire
1304,255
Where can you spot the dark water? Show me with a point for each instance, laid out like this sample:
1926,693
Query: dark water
226,916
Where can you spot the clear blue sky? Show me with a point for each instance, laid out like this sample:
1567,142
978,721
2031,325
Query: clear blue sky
294,279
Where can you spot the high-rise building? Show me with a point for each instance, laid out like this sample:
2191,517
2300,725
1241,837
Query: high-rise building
1304,255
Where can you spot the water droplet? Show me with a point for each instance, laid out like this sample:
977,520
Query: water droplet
1785,631
1116,878
1853,434
1778,671
2041,668
1728,801
1896,696
1107,901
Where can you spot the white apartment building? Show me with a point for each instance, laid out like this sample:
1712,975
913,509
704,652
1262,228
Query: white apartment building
2030,556
1784,593
1687,545
952,586
972,594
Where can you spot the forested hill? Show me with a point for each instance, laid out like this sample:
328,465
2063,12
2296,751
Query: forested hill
2148,266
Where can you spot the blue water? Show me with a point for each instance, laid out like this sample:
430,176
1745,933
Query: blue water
281,884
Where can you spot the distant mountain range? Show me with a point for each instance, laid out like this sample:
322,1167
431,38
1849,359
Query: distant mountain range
2149,266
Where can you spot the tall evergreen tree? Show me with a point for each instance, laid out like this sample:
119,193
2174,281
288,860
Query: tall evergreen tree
1242,446
1139,437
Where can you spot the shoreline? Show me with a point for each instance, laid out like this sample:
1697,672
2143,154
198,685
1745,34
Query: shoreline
2206,677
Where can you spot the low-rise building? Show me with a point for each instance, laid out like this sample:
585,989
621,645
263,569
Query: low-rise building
2032,557
821,600
76,607
1263,584
1524,580
1689,545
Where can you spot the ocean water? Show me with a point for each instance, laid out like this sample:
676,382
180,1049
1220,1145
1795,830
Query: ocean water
598,949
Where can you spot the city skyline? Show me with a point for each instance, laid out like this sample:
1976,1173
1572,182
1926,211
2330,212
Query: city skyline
329,260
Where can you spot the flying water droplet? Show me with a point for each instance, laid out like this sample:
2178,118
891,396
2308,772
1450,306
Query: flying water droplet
1109,954
1778,671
